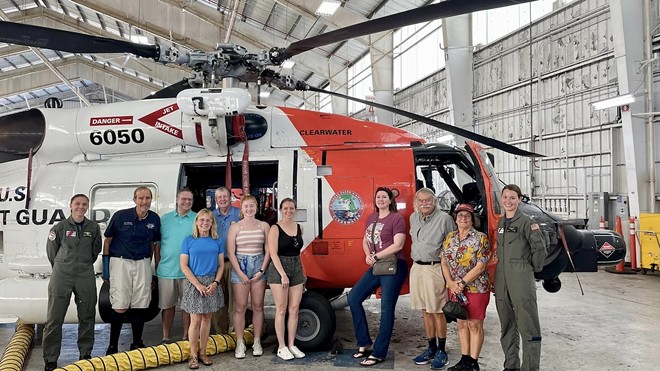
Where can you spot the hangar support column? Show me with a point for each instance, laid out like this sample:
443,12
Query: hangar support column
457,39
339,83
382,68
627,29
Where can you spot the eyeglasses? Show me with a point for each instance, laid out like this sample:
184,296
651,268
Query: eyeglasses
464,216
425,200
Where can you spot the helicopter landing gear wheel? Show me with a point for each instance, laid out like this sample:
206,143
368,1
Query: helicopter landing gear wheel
316,322
552,285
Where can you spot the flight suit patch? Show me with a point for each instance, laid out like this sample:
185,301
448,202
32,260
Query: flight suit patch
87,234
512,229
500,230
150,225
52,235
70,233
535,227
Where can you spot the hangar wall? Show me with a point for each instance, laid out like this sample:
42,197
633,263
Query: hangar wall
538,97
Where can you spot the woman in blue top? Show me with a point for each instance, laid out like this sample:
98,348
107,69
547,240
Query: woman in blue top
202,262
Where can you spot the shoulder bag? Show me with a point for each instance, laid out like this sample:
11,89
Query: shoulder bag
386,266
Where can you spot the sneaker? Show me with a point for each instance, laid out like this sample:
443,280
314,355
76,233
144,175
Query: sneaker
137,345
50,366
285,354
424,358
460,366
257,350
240,349
439,361
112,349
296,352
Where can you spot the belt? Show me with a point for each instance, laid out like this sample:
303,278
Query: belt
426,263
128,257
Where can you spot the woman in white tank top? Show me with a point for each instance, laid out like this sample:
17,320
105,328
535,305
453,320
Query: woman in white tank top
248,254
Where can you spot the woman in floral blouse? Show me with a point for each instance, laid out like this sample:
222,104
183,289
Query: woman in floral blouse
465,254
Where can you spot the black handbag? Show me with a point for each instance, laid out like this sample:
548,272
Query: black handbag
455,309
386,266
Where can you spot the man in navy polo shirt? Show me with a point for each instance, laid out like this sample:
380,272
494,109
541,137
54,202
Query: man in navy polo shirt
130,240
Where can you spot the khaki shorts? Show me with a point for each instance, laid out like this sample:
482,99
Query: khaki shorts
428,289
170,292
130,283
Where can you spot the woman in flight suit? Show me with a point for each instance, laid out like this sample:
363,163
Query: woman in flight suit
521,251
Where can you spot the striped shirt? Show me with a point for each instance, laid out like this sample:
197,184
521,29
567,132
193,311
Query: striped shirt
250,242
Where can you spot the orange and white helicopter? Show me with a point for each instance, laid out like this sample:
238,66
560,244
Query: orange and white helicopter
330,164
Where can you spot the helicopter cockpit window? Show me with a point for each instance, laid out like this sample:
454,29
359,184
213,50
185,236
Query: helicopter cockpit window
19,132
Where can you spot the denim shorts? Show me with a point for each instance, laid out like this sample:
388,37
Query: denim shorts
250,265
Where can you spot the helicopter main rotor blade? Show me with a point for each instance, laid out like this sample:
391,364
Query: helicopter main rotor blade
170,91
440,125
426,13
73,42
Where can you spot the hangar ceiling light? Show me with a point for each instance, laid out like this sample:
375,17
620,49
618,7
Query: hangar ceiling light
328,7
619,100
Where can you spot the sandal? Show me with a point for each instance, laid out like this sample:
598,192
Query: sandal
192,363
362,353
206,361
371,361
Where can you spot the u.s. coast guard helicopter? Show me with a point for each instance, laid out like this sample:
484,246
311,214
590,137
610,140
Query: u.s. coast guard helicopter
185,134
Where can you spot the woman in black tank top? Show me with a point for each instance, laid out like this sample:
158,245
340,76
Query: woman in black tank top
286,278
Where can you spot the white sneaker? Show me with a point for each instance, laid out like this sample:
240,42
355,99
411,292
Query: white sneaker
240,349
285,354
296,352
257,350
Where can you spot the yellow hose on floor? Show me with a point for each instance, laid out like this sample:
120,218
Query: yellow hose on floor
159,355
17,349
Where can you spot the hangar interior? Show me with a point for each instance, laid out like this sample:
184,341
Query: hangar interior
532,83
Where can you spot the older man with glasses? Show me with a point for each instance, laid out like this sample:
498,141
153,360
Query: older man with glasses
428,227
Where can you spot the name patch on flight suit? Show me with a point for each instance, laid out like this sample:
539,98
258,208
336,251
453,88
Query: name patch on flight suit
512,229
51,236
71,233
87,234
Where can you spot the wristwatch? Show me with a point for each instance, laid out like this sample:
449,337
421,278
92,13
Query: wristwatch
217,282
261,271
463,283
376,258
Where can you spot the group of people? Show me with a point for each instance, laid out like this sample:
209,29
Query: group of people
212,262
449,263
209,263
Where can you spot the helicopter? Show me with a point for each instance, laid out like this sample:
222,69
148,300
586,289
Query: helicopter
189,134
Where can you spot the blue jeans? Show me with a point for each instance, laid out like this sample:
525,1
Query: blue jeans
390,288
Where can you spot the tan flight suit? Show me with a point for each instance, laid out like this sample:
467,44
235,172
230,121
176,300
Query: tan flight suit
72,251
521,251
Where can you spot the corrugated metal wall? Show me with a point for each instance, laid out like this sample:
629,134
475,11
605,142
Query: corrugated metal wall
542,103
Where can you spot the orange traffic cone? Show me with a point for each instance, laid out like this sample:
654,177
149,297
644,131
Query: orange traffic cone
621,267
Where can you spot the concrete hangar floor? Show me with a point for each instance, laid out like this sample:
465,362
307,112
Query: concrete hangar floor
614,326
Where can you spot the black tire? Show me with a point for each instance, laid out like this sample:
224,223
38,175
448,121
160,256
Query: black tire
552,285
316,322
